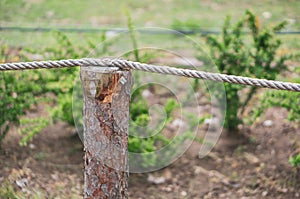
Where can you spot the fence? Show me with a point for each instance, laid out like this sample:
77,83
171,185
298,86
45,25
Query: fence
106,85
180,31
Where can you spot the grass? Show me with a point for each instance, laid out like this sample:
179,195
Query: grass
93,14
144,13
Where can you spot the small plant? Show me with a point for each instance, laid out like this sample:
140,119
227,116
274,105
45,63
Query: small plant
152,141
234,55
295,161
7,191
29,127
285,99
288,100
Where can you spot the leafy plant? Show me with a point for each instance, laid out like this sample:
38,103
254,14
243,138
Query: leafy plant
19,91
234,55
285,99
295,161
151,141
29,127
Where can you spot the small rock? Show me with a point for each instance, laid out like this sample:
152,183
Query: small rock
54,176
284,190
297,195
31,146
265,193
252,159
22,183
208,121
273,152
259,147
183,193
167,189
156,180
268,123
213,122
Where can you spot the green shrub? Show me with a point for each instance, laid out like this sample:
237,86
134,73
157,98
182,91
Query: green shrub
150,142
235,54
19,91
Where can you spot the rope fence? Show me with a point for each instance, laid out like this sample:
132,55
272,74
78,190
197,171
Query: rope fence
126,65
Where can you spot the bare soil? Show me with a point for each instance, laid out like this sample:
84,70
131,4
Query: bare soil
252,164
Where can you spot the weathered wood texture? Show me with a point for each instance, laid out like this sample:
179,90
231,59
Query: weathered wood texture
106,94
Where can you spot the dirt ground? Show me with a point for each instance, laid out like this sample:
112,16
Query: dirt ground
251,165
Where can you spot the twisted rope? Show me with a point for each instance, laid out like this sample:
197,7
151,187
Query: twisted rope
126,65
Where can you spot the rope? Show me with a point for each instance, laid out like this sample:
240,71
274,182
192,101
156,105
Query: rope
126,65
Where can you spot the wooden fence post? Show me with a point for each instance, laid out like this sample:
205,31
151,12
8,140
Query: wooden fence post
106,95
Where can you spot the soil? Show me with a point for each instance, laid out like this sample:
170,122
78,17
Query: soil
252,164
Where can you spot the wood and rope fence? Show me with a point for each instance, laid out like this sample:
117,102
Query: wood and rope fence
106,85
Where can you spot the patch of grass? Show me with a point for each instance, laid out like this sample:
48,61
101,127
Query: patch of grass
295,160
162,13
7,191
75,13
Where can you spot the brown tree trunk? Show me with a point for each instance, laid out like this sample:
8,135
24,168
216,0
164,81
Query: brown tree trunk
106,94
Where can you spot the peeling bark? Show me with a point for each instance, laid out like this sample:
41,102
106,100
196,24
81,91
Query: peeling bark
106,94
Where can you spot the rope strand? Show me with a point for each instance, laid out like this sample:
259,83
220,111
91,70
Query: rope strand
126,65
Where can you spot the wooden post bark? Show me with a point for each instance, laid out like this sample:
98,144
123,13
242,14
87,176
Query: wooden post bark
106,94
